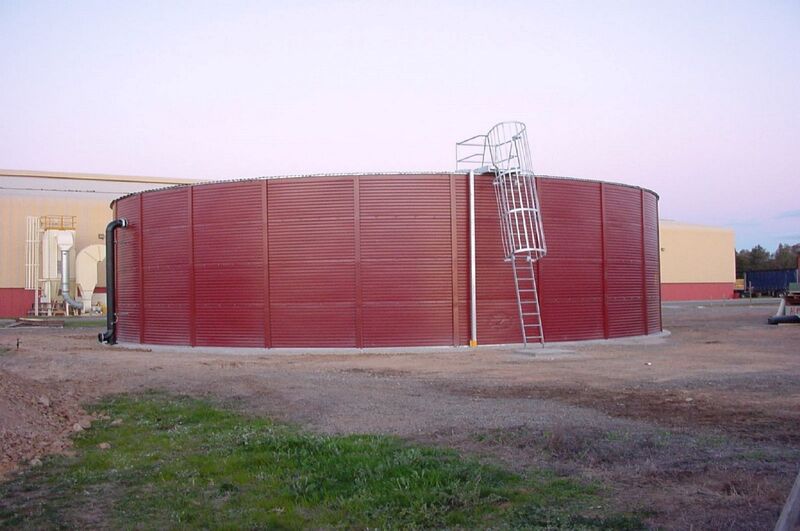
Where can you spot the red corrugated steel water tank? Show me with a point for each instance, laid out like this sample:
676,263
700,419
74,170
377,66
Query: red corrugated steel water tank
376,260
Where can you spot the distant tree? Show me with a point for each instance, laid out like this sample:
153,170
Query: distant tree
742,262
785,258
759,258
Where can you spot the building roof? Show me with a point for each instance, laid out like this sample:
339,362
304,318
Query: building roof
94,177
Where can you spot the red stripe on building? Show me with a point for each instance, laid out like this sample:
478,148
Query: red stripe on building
697,291
15,302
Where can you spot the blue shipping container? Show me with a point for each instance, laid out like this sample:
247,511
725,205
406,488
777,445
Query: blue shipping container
769,281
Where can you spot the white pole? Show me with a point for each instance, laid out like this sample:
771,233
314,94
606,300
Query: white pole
473,342
36,261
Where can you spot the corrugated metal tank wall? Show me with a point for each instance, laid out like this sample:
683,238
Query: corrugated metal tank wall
376,260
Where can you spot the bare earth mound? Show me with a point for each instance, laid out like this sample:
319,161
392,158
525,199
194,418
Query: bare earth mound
35,420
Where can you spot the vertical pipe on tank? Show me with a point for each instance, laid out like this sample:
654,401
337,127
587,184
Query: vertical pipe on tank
110,335
473,317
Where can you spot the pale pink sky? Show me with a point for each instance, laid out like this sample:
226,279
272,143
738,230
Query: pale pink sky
698,101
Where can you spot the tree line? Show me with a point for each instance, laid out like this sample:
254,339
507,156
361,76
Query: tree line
758,259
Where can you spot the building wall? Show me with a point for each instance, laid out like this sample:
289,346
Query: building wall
26,193
697,262
376,260
91,218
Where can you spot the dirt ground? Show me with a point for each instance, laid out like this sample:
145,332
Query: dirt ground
700,429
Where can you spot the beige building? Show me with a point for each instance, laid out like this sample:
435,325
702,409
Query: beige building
87,197
697,262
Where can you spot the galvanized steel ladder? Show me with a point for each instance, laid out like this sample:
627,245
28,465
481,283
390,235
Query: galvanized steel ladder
506,150
527,299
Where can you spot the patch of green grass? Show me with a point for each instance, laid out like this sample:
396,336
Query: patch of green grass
712,440
755,455
180,462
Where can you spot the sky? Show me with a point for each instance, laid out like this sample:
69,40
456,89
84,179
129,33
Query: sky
696,100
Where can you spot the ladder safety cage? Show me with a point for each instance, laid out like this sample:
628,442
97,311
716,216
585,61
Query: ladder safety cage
505,151
515,188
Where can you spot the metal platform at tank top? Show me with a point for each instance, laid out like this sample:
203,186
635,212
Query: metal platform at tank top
505,151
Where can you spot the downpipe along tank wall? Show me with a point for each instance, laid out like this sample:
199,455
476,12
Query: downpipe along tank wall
110,335
376,260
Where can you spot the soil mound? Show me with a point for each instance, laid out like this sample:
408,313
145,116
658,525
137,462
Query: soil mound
36,419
